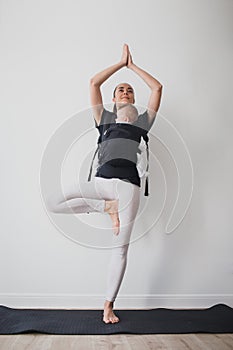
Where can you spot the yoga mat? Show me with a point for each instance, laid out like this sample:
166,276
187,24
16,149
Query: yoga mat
216,319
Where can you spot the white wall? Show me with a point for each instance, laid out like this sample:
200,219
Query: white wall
49,51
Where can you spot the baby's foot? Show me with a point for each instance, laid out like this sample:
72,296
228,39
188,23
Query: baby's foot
111,207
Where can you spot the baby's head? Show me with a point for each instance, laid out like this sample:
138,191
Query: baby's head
126,112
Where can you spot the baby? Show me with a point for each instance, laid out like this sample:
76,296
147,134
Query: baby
126,113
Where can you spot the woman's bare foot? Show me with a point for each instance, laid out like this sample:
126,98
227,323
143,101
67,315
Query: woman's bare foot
108,315
111,207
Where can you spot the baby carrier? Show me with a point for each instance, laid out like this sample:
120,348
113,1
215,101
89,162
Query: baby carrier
115,131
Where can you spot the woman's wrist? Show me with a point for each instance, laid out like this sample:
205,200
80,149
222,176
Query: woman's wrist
122,64
131,65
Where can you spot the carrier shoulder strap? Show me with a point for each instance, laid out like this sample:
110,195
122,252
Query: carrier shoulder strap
146,139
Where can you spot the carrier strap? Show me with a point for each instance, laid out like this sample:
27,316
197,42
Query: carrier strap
146,193
92,162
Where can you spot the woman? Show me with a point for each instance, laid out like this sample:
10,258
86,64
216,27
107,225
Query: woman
115,188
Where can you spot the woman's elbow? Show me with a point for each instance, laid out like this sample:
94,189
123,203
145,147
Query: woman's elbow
93,82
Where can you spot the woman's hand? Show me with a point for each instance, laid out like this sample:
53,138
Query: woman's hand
125,53
130,60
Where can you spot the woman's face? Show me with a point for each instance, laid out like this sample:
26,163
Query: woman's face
124,94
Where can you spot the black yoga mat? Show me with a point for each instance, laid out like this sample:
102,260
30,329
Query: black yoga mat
216,319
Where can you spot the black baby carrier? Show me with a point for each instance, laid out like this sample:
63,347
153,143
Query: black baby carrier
118,139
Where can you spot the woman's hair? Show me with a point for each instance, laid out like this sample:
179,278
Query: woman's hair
114,107
114,92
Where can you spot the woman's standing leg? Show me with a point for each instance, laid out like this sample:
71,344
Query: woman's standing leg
101,195
129,196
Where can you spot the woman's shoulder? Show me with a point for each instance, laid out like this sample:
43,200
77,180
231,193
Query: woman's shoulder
108,113
107,117
143,121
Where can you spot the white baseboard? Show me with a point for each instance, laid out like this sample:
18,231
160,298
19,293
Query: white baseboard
85,301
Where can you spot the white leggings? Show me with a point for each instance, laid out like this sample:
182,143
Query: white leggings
91,197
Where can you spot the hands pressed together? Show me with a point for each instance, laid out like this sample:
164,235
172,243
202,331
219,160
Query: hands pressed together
126,57
126,61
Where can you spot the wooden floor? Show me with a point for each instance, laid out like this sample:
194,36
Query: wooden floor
204,341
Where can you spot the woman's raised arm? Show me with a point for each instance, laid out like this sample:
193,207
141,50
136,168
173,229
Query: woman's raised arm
97,80
154,85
